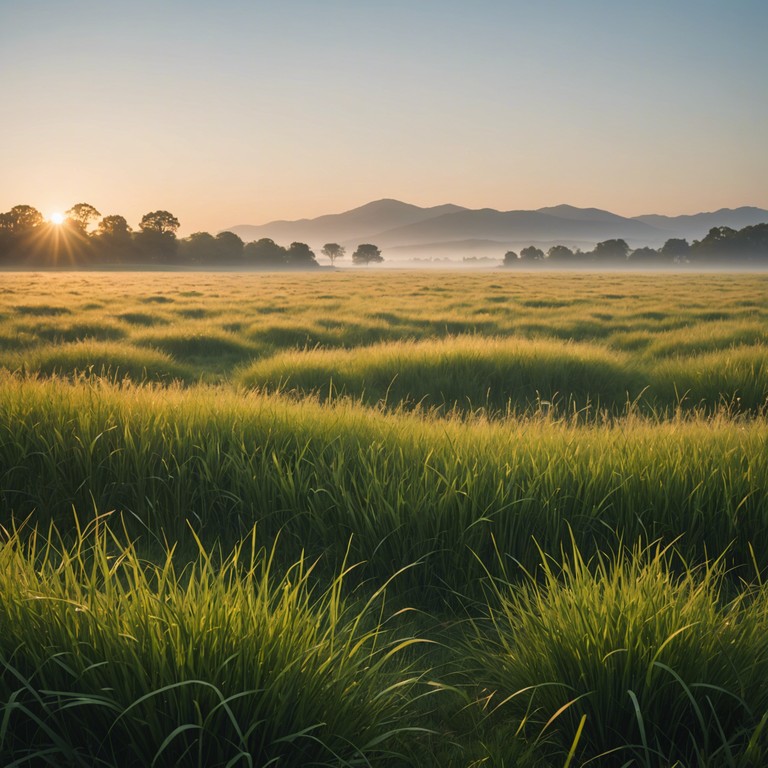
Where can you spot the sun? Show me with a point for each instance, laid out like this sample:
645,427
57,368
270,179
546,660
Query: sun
57,218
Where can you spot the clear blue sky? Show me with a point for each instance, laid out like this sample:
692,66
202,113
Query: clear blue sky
243,112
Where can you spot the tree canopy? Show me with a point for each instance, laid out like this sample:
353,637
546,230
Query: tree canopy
22,217
560,253
114,226
531,253
300,255
161,222
367,253
510,258
333,251
611,250
82,214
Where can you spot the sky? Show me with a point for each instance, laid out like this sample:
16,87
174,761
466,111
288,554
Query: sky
242,112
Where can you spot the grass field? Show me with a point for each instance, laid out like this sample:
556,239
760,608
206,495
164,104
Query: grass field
466,519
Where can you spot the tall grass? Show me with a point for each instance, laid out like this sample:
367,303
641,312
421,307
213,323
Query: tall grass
627,660
467,340
111,360
462,371
487,437
407,487
110,660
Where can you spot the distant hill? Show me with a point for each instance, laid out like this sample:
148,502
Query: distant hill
410,231
698,224
355,225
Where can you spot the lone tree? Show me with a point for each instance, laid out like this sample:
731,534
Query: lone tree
81,214
366,253
333,251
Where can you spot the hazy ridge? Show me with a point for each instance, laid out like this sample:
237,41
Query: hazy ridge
415,231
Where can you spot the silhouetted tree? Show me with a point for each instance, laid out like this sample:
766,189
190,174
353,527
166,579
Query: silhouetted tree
301,256
560,253
611,250
198,248
367,253
113,240
754,241
675,249
229,248
203,248
157,238
6,237
81,214
115,227
161,222
716,246
725,245
531,253
510,259
333,251
265,254
23,217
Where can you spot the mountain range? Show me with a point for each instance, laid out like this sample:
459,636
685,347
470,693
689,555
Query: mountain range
450,231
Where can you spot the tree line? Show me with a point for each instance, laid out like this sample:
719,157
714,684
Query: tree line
722,245
86,238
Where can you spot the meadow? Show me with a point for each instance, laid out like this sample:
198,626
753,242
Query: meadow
403,518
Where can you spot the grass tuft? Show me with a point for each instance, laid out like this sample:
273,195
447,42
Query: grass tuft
636,656
111,660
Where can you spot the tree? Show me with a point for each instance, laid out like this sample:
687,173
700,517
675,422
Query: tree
531,253
560,253
333,251
718,245
265,253
113,239
611,250
301,256
22,218
510,259
81,214
115,227
162,222
199,247
229,247
675,249
366,253
158,235
6,236
753,241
